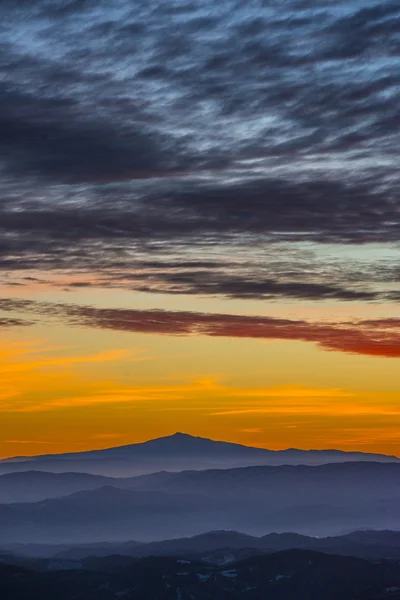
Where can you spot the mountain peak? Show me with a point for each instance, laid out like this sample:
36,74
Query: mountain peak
185,445
181,451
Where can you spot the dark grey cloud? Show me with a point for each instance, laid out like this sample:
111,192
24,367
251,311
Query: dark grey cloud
41,136
143,243
223,83
273,209
255,288
169,129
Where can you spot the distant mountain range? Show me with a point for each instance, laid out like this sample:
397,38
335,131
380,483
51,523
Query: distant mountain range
53,500
178,452
313,500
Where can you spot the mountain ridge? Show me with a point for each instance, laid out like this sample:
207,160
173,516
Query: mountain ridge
179,452
373,544
34,485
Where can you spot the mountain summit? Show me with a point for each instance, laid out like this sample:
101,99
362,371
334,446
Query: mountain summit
178,452
185,444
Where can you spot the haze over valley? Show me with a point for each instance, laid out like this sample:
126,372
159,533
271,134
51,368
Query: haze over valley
319,499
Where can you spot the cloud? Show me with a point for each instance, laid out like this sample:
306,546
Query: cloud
52,138
371,338
271,209
351,338
171,130
26,442
237,240
274,81
249,285
10,322
67,361
252,430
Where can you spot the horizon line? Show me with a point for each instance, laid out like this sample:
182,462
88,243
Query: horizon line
22,457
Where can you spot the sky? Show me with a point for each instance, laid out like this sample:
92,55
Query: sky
199,223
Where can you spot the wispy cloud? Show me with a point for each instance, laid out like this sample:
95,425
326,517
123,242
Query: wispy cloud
5,322
111,154
28,442
65,361
252,430
375,337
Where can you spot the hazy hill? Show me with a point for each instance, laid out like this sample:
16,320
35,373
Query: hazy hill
319,500
107,513
32,486
380,481
287,484
176,453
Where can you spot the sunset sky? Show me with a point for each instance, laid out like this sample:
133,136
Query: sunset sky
199,223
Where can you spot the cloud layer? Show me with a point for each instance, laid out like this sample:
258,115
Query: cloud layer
169,130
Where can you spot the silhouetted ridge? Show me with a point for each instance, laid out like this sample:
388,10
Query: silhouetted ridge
287,575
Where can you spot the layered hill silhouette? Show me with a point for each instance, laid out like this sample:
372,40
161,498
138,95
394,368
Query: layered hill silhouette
52,499
313,500
178,452
220,547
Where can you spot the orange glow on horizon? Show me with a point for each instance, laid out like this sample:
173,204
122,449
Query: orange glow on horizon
79,386
76,398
